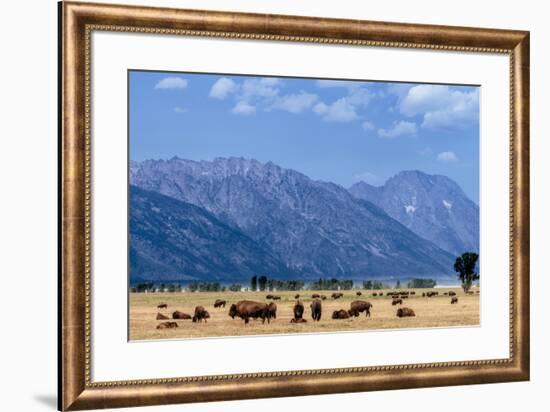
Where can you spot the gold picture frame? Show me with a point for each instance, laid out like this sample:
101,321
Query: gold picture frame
79,20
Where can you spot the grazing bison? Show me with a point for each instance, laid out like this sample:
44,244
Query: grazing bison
413,292
336,295
167,325
430,294
454,300
296,296
276,297
405,312
375,294
323,297
200,314
219,303
341,314
315,296
271,311
359,306
451,293
160,316
269,296
423,294
246,309
359,293
316,310
395,296
301,320
298,310
445,293
397,302
180,315
162,306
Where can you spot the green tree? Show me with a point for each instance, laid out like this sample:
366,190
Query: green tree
254,283
262,281
398,284
367,284
235,287
465,267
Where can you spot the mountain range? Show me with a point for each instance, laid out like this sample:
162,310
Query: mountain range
231,218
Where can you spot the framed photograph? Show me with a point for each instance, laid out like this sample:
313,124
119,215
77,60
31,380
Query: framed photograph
264,205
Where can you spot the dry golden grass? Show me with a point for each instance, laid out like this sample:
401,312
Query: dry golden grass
430,312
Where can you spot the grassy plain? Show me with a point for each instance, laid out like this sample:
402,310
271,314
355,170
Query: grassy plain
430,312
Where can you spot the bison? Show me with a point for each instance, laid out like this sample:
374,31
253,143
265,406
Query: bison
315,296
451,293
271,311
336,295
219,303
405,312
323,297
359,293
301,320
375,294
413,292
296,296
276,297
397,302
180,315
341,314
247,309
454,300
359,306
162,306
316,310
269,296
160,316
167,325
298,310
200,314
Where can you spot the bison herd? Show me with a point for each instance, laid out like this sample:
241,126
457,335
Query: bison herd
248,309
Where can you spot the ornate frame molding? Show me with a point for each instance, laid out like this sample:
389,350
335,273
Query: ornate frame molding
79,20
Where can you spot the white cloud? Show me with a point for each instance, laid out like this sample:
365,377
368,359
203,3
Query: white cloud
441,106
401,128
180,110
339,111
171,83
223,88
324,84
265,87
447,157
295,103
368,125
243,108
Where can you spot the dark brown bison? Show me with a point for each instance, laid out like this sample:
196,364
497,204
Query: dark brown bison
276,297
469,292
167,325
359,306
359,293
160,316
451,293
200,314
247,309
219,303
336,295
180,315
301,320
271,311
430,294
454,300
445,293
404,296
423,294
269,296
298,310
477,292
413,292
323,297
397,302
341,314
405,312
316,310
375,294
315,296
296,296
162,306
395,296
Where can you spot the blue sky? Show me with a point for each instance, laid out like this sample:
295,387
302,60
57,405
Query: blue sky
338,131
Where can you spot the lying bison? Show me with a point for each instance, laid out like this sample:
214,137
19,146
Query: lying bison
336,295
316,310
341,314
405,312
219,303
167,325
180,315
451,293
359,306
397,302
276,297
200,314
271,311
454,300
160,316
247,309
269,296
301,320
162,306
298,310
